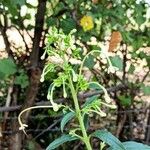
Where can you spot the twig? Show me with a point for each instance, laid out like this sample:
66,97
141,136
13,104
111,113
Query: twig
81,96
124,63
121,125
3,30
27,48
8,99
112,89
145,76
50,127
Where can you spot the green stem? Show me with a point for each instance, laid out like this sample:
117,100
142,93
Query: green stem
86,139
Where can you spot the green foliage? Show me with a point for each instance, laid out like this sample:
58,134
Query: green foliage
90,62
125,100
7,68
67,44
60,141
117,62
67,78
108,138
67,117
134,145
146,90
22,79
131,69
90,100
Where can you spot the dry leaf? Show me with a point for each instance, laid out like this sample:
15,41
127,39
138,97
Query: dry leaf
95,1
116,38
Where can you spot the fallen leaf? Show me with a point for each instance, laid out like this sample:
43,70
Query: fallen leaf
116,38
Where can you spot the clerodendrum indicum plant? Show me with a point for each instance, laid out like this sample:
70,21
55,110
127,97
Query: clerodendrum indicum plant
66,59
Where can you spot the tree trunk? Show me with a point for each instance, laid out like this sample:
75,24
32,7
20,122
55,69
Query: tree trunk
35,73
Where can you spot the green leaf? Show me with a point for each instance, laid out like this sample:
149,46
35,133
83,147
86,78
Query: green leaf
131,69
108,138
7,67
68,25
51,21
61,140
94,86
59,8
86,121
22,80
19,2
146,90
131,145
90,100
117,62
89,62
66,119
125,100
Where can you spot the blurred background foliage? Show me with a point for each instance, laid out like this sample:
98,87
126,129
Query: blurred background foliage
120,27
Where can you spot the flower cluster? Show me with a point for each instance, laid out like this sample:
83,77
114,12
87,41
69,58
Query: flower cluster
87,23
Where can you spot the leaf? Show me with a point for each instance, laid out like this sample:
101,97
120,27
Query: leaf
90,100
19,2
131,69
7,67
116,38
89,62
66,119
94,86
117,62
108,138
86,121
131,145
22,80
61,140
59,9
51,21
146,90
125,100
67,25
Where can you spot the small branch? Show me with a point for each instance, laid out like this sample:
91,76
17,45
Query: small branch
3,30
144,78
27,48
8,99
48,129
124,64
39,24
81,96
112,89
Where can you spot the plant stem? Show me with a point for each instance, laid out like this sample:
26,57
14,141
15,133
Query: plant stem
86,139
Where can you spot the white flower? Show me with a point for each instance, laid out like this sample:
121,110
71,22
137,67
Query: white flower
55,107
74,75
23,126
107,98
42,78
100,112
43,56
